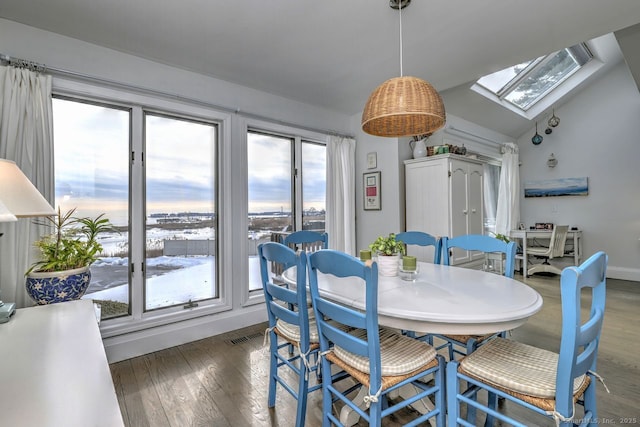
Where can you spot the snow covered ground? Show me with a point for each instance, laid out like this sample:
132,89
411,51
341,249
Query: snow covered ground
170,280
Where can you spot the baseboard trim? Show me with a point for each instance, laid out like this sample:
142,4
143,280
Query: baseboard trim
623,273
138,343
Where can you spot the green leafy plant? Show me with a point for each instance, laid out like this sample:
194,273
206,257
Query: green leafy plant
387,245
501,237
72,244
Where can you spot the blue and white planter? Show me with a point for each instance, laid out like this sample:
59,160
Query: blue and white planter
58,286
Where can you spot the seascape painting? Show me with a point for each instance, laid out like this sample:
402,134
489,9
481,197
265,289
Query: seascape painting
557,187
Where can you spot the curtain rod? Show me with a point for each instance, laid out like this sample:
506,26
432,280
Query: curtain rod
22,63
34,66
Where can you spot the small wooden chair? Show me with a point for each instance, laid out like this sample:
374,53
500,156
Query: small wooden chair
545,382
377,359
290,326
421,238
307,240
555,250
304,240
465,344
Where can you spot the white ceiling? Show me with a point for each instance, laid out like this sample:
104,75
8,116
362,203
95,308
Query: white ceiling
331,53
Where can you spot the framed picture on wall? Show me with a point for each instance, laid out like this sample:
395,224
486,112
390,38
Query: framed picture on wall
372,160
371,181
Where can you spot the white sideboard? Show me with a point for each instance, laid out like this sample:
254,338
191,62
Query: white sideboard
444,197
54,370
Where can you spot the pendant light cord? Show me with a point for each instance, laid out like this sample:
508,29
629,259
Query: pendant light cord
400,15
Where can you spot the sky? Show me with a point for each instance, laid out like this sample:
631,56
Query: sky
92,167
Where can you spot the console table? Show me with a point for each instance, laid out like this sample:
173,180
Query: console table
54,370
524,236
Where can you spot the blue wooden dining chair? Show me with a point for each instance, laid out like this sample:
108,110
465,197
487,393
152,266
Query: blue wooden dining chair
545,382
465,344
307,240
290,326
482,243
379,360
421,238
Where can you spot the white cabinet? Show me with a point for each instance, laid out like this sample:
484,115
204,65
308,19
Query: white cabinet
444,197
54,369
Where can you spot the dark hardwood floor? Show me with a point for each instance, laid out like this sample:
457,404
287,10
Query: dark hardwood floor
222,381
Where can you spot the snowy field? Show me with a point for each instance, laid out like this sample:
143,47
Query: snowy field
170,280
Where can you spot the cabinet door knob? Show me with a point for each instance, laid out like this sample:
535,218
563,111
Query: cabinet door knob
464,212
473,210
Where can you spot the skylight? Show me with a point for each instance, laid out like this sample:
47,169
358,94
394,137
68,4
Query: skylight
524,84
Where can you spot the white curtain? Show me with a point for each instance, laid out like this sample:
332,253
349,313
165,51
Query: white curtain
491,188
341,198
508,212
26,137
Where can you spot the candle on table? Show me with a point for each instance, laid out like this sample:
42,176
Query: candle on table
365,254
409,262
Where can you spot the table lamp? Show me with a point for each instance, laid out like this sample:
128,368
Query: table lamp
18,198
5,215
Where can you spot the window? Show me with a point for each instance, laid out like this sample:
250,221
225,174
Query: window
155,176
91,154
314,186
525,84
286,190
162,172
180,169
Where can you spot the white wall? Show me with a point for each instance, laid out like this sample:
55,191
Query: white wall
83,58
598,137
391,154
69,54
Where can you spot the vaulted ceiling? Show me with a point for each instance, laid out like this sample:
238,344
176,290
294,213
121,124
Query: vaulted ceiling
333,53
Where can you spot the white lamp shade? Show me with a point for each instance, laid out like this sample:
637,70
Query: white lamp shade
19,197
5,215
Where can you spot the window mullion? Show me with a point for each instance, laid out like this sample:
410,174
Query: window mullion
297,182
137,215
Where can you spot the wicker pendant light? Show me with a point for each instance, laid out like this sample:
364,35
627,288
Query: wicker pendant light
403,106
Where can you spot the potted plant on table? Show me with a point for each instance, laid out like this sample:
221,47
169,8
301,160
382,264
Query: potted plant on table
501,237
62,273
389,251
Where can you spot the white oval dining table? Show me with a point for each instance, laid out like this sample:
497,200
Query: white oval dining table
442,299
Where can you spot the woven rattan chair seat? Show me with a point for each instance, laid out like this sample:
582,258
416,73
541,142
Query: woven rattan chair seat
292,332
399,355
465,338
517,367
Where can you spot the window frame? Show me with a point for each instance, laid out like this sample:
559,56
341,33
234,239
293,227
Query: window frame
130,110
551,95
139,320
186,118
256,296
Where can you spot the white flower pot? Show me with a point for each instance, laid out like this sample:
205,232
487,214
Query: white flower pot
388,265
